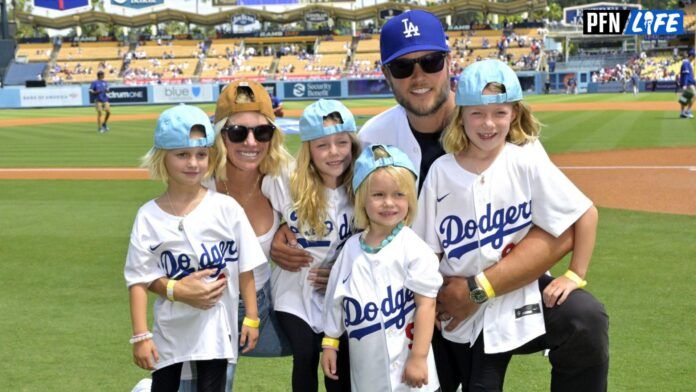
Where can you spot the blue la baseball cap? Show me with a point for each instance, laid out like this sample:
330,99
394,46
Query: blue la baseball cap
476,77
174,128
312,120
409,32
366,163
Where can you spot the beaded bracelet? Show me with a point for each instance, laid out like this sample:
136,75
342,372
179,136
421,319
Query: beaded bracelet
330,343
251,323
140,337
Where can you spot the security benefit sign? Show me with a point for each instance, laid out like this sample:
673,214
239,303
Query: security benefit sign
633,22
312,89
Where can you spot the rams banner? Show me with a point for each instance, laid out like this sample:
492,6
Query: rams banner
61,5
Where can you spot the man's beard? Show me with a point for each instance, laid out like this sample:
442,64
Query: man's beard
427,111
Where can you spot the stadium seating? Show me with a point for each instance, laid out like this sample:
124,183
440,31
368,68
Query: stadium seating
34,52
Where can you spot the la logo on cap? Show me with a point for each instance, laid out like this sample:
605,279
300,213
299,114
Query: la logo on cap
410,30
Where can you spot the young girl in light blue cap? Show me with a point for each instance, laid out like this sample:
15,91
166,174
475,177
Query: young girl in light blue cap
187,229
481,199
382,290
316,201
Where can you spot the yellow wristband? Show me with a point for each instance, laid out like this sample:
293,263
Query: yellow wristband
170,289
575,278
251,323
330,343
486,285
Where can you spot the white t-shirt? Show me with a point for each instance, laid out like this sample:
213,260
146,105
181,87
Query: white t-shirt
291,291
216,235
263,272
474,219
371,297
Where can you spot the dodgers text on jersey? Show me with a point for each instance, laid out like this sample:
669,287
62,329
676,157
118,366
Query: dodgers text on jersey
398,305
215,257
494,222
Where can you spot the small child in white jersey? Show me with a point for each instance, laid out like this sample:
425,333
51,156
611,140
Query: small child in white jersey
382,289
481,199
190,228
316,202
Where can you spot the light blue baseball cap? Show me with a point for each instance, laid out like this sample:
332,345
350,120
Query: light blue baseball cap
174,128
367,163
476,77
312,120
409,32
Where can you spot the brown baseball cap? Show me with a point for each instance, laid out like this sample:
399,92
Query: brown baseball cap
226,104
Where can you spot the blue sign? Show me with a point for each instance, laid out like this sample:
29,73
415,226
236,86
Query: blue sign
137,3
655,22
312,89
61,5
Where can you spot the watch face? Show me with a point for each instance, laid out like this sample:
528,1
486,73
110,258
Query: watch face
478,295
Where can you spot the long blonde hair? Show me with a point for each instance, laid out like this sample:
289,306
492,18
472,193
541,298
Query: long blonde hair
404,179
308,191
524,128
277,157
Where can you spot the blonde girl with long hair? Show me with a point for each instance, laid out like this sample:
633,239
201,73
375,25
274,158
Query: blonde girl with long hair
316,201
478,201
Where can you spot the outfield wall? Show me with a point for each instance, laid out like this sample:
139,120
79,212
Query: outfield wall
78,95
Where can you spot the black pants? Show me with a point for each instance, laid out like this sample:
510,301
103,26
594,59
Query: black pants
212,375
576,335
306,350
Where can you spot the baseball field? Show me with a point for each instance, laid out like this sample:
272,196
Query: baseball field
68,196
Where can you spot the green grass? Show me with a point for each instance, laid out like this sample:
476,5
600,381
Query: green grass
65,306
79,145
65,321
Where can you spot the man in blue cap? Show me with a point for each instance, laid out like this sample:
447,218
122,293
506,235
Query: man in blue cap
415,62
687,82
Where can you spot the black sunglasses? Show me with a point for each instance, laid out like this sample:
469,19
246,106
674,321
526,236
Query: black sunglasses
239,133
430,63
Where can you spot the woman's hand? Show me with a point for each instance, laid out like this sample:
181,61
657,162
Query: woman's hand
248,338
319,278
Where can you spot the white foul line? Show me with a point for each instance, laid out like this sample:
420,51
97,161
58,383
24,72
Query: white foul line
690,168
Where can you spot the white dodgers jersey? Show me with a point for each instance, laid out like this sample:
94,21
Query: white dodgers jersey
216,235
371,298
476,219
291,291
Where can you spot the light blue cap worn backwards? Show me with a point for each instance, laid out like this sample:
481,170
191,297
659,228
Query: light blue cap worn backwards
312,120
174,128
409,32
366,163
476,77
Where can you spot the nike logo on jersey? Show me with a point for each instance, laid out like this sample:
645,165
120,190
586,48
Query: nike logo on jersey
346,278
154,248
439,199
495,222
398,305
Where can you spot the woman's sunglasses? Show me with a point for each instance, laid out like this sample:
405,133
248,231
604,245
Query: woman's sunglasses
239,133
430,63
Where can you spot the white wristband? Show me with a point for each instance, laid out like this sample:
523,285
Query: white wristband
140,337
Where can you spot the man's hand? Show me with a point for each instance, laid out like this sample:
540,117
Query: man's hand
453,302
285,251
196,291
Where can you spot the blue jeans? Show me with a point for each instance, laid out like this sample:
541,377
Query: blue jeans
272,341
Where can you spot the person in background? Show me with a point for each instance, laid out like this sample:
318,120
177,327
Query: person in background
98,90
